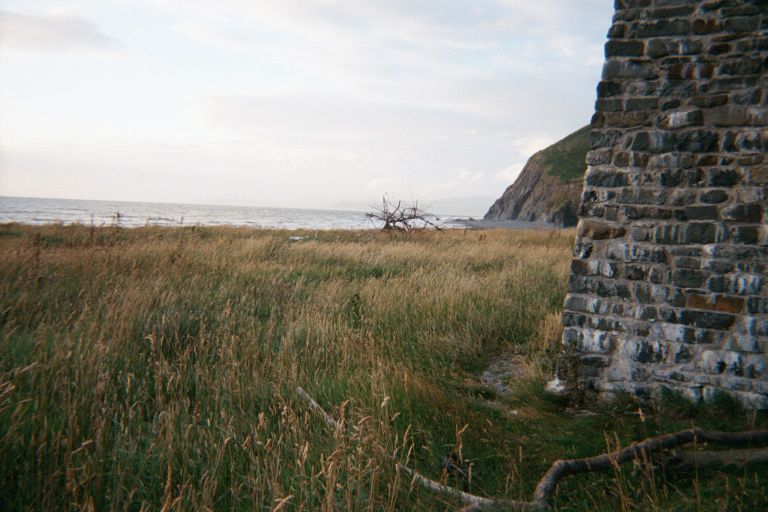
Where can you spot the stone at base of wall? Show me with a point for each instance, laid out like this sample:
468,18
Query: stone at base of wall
696,394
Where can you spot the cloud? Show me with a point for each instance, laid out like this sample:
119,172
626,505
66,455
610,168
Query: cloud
53,32
471,177
532,144
305,101
448,40
510,173
327,117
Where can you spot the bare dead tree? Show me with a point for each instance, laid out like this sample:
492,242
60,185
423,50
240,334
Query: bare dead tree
659,448
398,217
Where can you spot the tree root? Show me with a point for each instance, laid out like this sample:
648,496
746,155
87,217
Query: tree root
545,490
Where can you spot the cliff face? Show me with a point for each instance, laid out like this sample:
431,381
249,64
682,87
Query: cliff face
549,186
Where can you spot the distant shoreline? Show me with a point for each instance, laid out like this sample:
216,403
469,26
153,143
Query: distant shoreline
479,224
455,224
504,224
35,211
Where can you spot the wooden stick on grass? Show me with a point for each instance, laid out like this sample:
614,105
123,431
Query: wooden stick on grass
329,420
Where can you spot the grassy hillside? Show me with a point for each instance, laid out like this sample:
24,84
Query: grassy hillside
156,369
566,158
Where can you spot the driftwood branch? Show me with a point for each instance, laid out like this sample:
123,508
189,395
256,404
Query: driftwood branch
544,492
397,217
329,420
472,501
732,457
562,468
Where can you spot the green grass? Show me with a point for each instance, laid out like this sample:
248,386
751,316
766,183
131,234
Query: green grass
156,369
566,159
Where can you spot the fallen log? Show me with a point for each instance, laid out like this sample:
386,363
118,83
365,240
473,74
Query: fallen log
562,468
329,420
730,457
545,490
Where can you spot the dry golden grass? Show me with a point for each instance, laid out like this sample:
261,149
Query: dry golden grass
155,369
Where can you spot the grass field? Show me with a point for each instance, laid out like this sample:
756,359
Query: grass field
156,369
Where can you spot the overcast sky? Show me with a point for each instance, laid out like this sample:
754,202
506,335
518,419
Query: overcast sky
296,103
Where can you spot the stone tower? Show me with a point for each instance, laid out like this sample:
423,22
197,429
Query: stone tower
668,285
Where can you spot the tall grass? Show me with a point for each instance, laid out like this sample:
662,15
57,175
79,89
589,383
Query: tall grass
156,368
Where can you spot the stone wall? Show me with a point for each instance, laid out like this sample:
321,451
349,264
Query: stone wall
668,285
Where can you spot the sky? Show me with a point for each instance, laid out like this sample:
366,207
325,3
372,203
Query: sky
290,103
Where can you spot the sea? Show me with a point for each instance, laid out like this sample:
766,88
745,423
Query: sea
27,210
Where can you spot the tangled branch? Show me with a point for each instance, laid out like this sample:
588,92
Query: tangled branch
397,217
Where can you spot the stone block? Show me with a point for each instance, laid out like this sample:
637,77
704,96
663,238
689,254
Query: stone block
702,213
721,303
697,141
624,48
598,157
677,333
643,351
756,326
724,177
683,119
709,100
752,213
705,26
673,161
718,266
682,197
617,31
741,24
744,343
673,11
691,233
688,278
707,319
743,9
744,284
662,27
757,305
745,234
597,230
627,119
595,343
728,115
600,178
740,67
629,69
641,104
604,138
720,49
713,196
578,303
608,89
661,142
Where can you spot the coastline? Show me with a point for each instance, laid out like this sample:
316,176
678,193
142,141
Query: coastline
503,224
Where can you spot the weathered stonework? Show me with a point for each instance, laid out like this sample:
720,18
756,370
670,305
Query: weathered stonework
668,284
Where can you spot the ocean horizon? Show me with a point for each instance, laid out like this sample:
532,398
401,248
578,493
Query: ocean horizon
30,210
